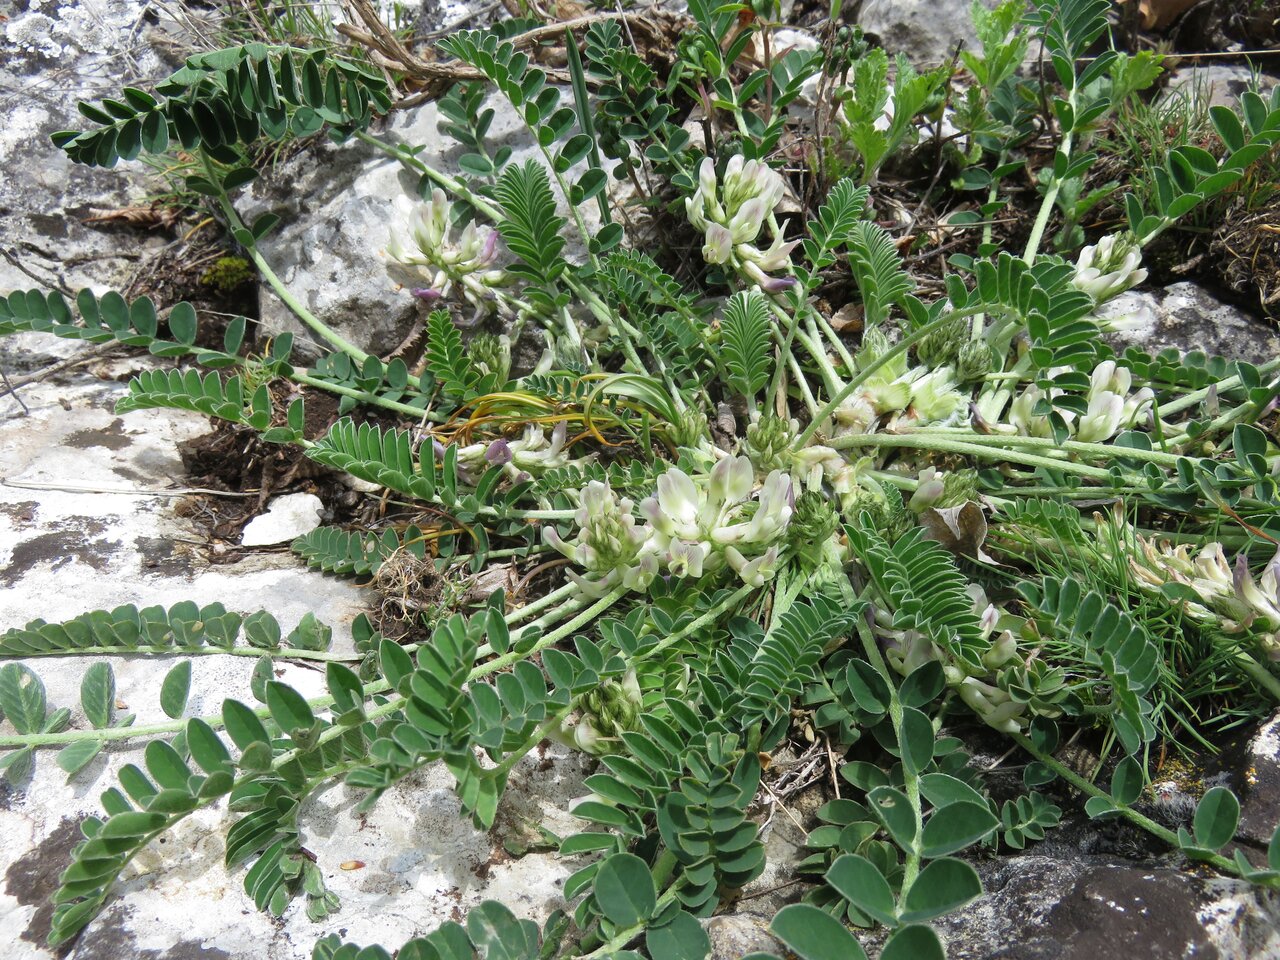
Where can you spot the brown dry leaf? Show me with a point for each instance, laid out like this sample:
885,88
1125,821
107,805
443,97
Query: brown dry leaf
1160,14
568,10
961,529
152,215
351,865
849,317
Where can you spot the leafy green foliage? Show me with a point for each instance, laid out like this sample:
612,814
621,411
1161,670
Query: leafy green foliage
464,118
388,459
834,227
698,797
1191,175
923,588
111,317
869,95
447,359
531,227
126,629
633,119
748,347
490,930
1027,818
444,718
209,394
1041,298
877,270
1108,639
353,553
228,97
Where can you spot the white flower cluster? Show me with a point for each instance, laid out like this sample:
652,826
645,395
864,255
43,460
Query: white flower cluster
732,213
1112,407
907,650
1228,592
690,529
423,237
1110,266
532,454
910,396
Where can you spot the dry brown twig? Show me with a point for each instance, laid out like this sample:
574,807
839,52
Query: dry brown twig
432,76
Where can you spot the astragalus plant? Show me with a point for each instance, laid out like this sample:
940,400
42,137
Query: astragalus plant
776,525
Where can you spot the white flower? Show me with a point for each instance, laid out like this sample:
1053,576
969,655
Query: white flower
731,213
1109,267
422,236
609,545
1102,418
719,245
754,573
994,706
934,397
1022,413
692,528
1111,408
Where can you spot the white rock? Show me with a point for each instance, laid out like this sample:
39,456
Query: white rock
288,517
1217,84
335,205
927,31
1187,317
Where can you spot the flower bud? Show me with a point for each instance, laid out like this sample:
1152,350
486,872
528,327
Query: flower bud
1109,267
769,440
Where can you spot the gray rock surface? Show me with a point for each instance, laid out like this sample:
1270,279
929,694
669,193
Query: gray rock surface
927,31
735,935
1218,84
1260,791
335,206
53,54
1040,907
1187,317
87,522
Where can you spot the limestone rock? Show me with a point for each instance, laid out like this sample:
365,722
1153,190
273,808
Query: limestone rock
1044,908
927,31
287,517
1187,317
1260,799
1217,84
55,55
737,934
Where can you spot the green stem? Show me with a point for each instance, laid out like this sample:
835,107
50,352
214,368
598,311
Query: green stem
910,778
916,441
1186,401
731,601
581,620
1258,674
1219,863
327,334
862,376
1084,448
547,600
365,397
1051,195
452,184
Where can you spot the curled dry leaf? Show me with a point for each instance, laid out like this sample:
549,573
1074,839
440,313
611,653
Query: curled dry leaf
1160,14
962,529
